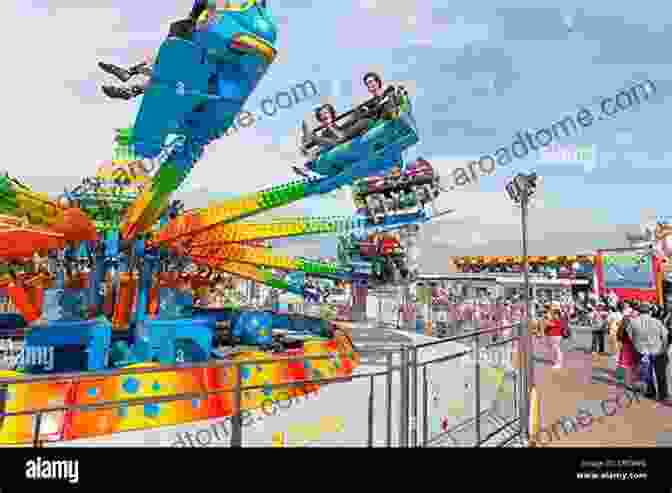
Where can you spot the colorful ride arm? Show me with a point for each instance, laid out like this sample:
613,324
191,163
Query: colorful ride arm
20,201
152,201
230,210
379,149
214,256
252,273
282,228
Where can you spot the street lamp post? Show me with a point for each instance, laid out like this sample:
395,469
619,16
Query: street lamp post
527,368
520,190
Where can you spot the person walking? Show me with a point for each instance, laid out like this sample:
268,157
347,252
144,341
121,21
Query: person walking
613,321
667,322
506,323
553,331
649,337
627,356
598,330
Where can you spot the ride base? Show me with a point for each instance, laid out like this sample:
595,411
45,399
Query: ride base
87,346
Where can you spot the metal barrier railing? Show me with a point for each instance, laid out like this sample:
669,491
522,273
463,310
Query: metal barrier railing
413,389
475,352
237,426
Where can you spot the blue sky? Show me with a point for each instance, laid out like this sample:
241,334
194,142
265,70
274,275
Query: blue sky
477,71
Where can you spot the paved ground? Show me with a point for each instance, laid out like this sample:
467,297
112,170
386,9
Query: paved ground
587,383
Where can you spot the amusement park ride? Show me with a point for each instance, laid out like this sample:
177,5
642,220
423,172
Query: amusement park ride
105,273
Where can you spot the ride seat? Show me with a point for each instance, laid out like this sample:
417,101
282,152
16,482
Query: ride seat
179,64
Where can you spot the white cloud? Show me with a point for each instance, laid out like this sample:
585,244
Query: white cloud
478,239
482,217
439,240
52,128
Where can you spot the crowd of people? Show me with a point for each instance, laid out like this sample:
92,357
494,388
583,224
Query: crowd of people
637,334
538,269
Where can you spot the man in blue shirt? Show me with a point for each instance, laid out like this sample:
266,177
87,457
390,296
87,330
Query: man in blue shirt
650,336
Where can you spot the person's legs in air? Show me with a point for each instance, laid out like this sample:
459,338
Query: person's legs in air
123,74
117,92
307,172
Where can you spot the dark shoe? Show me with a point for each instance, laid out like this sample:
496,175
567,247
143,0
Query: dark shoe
140,68
118,92
120,73
300,172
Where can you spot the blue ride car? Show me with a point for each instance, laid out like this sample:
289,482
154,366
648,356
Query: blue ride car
199,86
377,149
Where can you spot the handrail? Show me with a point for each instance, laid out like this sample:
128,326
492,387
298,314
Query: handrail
341,117
468,335
110,404
237,388
162,369
365,104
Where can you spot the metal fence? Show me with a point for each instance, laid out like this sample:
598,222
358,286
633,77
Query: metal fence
468,398
238,428
400,397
